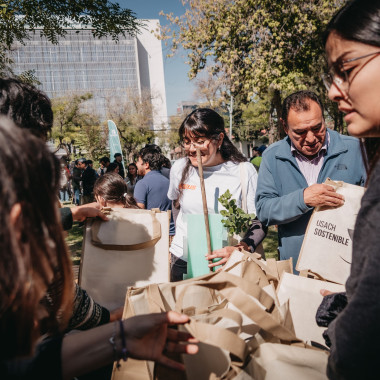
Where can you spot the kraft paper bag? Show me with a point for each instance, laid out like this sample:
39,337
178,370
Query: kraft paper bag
278,361
221,306
304,297
327,247
130,249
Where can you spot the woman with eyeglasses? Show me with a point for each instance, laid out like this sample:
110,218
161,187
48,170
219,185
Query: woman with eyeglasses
353,50
204,129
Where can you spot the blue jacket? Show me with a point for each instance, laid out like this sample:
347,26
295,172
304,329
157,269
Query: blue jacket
280,186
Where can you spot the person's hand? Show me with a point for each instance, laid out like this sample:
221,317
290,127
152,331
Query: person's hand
325,292
89,210
321,194
224,254
148,338
116,314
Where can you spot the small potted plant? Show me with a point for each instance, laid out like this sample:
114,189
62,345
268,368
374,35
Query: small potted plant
235,219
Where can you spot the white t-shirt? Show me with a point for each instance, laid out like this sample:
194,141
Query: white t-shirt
218,179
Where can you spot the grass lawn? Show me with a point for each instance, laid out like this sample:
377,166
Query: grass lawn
270,243
74,241
74,238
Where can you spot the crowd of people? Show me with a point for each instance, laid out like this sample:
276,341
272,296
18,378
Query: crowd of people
282,185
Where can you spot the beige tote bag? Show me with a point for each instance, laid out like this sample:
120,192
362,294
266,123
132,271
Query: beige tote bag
304,297
130,249
327,246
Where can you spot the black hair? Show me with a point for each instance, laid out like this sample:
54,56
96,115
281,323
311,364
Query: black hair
299,101
113,189
104,160
151,154
117,155
165,162
359,21
26,106
205,122
111,167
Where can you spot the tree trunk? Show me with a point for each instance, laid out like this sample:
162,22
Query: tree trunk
276,131
278,108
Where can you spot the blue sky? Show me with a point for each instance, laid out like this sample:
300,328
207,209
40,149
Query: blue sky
178,86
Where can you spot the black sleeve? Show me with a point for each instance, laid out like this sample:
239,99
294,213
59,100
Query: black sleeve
66,218
86,312
355,333
255,235
44,365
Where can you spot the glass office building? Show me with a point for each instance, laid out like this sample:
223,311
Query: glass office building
80,63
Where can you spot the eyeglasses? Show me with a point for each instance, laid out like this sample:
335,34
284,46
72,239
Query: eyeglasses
339,76
196,144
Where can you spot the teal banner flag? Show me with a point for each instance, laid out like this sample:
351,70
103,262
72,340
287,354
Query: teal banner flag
114,141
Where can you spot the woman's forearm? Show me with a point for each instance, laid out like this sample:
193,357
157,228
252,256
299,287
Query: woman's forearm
89,350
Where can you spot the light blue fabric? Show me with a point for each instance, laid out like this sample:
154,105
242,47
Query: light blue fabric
152,191
280,186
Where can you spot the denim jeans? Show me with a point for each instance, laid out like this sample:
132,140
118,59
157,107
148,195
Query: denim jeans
76,196
178,268
64,195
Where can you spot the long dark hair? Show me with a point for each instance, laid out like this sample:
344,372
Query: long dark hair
205,122
129,174
35,268
359,21
113,188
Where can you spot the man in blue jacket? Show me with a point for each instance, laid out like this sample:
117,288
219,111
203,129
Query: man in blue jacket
293,170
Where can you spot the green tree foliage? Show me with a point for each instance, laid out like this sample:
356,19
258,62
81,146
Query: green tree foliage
236,220
76,130
170,136
262,46
51,18
133,117
92,138
105,18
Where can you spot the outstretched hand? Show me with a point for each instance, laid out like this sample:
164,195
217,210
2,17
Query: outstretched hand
89,210
224,254
148,337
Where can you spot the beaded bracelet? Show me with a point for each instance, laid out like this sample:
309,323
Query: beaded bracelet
124,353
112,340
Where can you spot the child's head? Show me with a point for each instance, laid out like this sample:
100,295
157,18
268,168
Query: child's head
111,190
34,260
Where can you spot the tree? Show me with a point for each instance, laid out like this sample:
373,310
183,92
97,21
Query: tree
262,46
92,138
76,129
18,17
133,117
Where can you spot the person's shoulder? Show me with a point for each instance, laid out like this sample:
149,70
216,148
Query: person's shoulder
274,148
348,140
156,174
250,169
178,165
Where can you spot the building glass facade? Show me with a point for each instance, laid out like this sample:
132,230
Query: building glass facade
80,63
